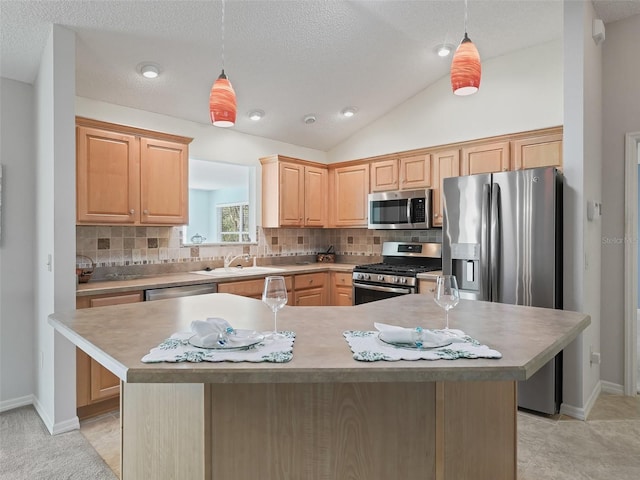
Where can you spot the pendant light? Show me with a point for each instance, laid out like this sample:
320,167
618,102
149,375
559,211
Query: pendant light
465,66
222,101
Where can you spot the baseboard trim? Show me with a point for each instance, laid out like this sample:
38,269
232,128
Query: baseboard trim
16,403
581,413
55,428
613,388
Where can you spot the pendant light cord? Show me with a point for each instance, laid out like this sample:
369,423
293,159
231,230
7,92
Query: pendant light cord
465,16
223,36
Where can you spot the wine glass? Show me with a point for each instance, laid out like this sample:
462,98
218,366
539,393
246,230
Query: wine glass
447,295
274,296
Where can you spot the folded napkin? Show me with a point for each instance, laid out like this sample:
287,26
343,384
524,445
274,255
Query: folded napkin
395,334
212,332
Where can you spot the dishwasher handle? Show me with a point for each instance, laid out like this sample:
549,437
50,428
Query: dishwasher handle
183,291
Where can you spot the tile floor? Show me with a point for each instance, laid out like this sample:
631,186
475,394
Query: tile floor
606,446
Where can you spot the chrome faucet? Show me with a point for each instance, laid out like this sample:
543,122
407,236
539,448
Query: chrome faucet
228,258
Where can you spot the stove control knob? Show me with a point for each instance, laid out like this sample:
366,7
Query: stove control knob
394,280
359,276
403,280
380,278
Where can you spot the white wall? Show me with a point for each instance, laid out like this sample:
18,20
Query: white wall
17,369
518,92
55,229
621,115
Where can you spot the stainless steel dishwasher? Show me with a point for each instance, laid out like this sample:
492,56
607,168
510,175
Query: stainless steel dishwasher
183,291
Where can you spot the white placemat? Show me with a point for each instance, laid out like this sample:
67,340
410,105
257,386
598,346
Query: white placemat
367,347
178,349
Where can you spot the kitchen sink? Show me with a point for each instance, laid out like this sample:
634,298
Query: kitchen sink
237,272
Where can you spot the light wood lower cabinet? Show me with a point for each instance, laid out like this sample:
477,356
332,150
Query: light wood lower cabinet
427,287
311,289
342,289
254,288
97,389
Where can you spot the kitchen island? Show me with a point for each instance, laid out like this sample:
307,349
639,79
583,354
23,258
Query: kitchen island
323,415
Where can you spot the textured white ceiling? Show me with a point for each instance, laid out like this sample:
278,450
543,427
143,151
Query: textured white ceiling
286,57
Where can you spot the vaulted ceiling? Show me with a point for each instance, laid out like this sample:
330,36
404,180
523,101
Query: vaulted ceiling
289,58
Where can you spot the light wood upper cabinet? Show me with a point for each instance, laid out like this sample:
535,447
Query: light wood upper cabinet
108,172
164,182
485,158
350,189
126,175
404,173
415,172
445,164
315,196
384,175
538,151
293,193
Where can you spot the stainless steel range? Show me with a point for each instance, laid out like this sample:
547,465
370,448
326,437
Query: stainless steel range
397,274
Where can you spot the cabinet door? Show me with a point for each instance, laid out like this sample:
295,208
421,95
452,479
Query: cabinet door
97,387
164,180
427,287
107,177
291,194
315,196
384,175
415,172
311,289
487,158
253,288
542,151
445,164
341,294
351,188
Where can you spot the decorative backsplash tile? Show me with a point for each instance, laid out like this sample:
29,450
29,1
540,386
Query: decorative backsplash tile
122,246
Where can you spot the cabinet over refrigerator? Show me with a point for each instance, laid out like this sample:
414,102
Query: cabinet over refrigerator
502,239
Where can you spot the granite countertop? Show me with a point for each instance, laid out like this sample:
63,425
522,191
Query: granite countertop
96,287
119,336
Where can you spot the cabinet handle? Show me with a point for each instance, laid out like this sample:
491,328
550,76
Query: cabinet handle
436,215
146,212
132,211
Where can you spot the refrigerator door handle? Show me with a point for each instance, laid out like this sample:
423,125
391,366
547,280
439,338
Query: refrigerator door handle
495,242
484,249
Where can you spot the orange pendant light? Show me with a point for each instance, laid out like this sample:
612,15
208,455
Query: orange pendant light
222,102
465,66
222,99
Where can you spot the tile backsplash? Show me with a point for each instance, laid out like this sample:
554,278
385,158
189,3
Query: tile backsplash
122,246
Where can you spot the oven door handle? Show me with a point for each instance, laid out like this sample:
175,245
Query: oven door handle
379,288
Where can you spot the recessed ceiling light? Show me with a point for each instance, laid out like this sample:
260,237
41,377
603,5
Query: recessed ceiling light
309,119
444,49
256,115
349,111
149,70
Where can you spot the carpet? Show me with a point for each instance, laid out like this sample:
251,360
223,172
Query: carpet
28,451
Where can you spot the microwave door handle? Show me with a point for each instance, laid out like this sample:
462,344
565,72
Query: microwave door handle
495,242
409,219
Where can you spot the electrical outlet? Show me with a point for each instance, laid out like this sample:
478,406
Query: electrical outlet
594,357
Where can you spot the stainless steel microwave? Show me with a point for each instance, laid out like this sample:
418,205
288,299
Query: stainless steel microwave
402,209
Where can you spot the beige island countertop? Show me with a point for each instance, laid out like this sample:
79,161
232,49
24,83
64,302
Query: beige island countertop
323,415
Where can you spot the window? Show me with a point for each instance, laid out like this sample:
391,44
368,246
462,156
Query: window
233,222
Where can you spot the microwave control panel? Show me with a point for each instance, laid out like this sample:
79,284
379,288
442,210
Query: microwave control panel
419,210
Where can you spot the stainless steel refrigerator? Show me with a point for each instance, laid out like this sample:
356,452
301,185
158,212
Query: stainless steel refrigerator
502,239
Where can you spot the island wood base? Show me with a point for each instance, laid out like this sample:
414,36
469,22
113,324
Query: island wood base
320,431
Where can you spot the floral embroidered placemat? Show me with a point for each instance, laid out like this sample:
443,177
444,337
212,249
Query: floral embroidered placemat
367,347
178,349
